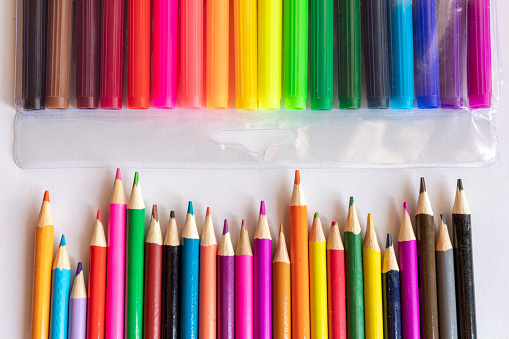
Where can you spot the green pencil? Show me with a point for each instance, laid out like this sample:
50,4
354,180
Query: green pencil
354,280
295,51
349,54
135,256
321,53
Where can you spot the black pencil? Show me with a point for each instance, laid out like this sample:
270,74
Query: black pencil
391,292
461,222
171,282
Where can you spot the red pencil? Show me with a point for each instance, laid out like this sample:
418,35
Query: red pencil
336,284
153,279
97,282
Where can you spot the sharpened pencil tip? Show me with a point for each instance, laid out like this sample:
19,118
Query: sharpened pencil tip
316,215
208,211
155,215
460,184
351,201
190,208
334,223
225,228
136,178
172,214
423,186
297,177
62,241
405,206
281,230
442,217
262,208
99,216
118,176
79,269
244,223
46,196
389,241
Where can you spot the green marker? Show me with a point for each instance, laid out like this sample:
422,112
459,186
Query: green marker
135,261
295,51
321,53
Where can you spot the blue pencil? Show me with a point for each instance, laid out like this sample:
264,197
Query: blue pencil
60,288
391,293
190,276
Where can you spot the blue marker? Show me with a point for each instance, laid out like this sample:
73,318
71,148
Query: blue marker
60,289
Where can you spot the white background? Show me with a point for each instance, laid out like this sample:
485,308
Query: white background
76,194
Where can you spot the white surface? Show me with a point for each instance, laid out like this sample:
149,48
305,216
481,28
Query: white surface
77,193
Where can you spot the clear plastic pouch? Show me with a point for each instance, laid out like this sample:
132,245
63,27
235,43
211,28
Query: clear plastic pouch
227,139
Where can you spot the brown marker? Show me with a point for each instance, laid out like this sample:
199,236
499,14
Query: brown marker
58,63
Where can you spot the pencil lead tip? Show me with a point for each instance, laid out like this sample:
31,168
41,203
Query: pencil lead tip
225,228
99,216
423,186
297,177
316,215
405,206
79,269
442,217
281,230
351,201
46,196
118,176
208,211
262,208
136,178
334,223
244,223
172,214
190,208
155,215
460,184
62,241
389,241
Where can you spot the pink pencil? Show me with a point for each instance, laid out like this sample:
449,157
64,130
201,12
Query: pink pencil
115,262
165,53
243,286
262,278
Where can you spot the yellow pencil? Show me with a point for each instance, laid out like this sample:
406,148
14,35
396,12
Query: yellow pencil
371,258
42,271
318,280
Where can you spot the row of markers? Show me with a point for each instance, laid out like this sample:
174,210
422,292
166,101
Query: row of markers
187,288
403,45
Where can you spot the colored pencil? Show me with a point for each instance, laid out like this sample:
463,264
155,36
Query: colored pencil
191,57
372,283
461,222
321,53
58,62
190,276
134,269
97,281
164,79
299,261
336,284
391,293
87,54
35,15
208,277
226,286
78,307
115,262
281,287
112,54
446,287
427,81
354,278
44,231
318,280
295,63
479,73
402,54
171,282
457,280
243,286
246,59
349,90
262,277
427,266
270,44
153,279
61,283
409,278
138,58
217,49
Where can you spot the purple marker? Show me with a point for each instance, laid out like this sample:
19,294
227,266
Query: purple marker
451,57
78,307
226,286
409,279
262,278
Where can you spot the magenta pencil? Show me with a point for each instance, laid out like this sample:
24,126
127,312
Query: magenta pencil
409,277
78,307
115,262
164,84
262,278
191,44
226,286
243,286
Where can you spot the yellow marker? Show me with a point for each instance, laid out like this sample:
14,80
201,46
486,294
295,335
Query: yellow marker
373,316
246,60
318,280
42,271
270,35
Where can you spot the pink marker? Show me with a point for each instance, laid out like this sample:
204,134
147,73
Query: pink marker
115,262
165,53
479,54
244,286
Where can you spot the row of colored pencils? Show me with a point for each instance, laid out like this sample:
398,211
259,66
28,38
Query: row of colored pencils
187,287
270,43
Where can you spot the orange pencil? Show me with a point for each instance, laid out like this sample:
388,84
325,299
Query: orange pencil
282,297
299,261
42,271
208,261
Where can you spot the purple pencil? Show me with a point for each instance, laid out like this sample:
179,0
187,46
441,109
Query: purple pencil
226,286
78,307
409,278
451,63
262,278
